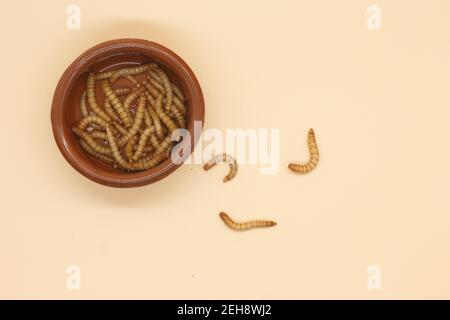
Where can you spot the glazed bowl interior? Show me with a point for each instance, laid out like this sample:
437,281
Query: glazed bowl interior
104,57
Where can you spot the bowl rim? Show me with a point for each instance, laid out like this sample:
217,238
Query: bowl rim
80,65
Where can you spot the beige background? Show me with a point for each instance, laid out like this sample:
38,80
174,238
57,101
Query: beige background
378,100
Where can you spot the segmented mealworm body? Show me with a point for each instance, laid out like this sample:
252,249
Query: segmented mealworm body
156,123
136,123
313,156
178,116
154,140
83,106
115,150
237,226
110,111
129,147
122,91
166,120
167,87
97,155
150,98
130,98
164,145
130,71
226,159
141,144
91,142
150,89
101,135
117,105
91,119
92,100
178,93
150,162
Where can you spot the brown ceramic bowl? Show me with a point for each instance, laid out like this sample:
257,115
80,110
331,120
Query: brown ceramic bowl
106,56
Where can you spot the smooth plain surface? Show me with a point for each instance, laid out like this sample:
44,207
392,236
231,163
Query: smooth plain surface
379,102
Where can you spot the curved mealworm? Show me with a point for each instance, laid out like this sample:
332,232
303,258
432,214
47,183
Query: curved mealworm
178,116
130,98
130,146
110,111
226,159
313,156
82,125
176,90
115,150
90,141
150,98
98,135
166,119
152,90
156,123
83,106
157,85
130,71
154,140
178,93
237,226
141,144
117,105
90,88
167,86
150,162
136,123
164,145
97,155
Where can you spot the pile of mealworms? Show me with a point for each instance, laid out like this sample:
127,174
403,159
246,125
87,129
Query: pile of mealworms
295,167
133,129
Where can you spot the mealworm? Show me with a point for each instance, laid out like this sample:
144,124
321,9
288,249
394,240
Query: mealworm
157,85
150,162
237,226
164,145
179,104
104,75
313,156
178,116
178,93
141,144
115,150
150,98
98,135
175,88
156,123
226,159
129,147
122,91
97,155
130,71
91,119
90,88
166,120
110,111
154,140
147,119
117,105
152,90
130,98
90,141
136,123
83,106
167,86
